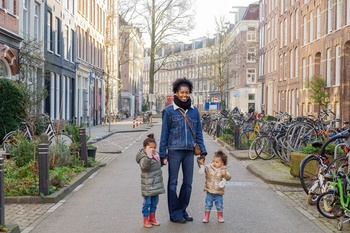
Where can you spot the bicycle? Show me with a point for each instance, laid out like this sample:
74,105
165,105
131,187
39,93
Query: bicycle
54,137
315,170
335,202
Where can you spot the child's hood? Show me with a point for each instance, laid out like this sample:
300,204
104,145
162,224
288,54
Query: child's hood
140,154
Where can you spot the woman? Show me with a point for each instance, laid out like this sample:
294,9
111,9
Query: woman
176,147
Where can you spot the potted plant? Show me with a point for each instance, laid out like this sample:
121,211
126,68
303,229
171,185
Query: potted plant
92,151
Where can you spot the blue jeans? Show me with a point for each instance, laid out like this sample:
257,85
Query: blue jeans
149,205
214,198
177,204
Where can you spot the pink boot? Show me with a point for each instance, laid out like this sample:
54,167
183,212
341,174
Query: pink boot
146,223
206,216
220,216
152,219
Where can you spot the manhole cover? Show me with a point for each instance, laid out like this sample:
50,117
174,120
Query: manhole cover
228,183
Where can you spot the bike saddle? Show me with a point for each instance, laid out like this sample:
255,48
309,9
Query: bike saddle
317,144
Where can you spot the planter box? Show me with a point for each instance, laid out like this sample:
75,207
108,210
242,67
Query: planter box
295,160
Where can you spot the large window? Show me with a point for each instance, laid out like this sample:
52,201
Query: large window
329,16
318,23
58,36
339,14
311,29
25,16
36,21
251,35
337,65
328,68
49,32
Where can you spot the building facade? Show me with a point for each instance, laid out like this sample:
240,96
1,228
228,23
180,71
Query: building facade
9,39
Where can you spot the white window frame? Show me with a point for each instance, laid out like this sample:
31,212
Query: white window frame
311,28
339,14
329,16
318,23
337,65
251,75
251,55
328,67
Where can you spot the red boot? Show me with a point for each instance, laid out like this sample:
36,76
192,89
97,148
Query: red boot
146,223
152,219
220,216
206,216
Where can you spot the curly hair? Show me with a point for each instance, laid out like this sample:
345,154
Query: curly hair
222,156
182,82
149,139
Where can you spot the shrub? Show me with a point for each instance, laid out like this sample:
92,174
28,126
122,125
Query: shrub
23,151
12,103
60,155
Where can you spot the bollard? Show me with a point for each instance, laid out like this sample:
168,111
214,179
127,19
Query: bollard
141,121
218,129
2,194
44,178
137,121
83,148
133,123
236,134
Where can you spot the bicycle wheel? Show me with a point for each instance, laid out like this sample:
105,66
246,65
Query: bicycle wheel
308,173
341,162
246,138
252,154
7,141
62,139
328,205
264,148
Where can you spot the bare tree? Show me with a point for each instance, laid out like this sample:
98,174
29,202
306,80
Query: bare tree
31,63
164,21
221,52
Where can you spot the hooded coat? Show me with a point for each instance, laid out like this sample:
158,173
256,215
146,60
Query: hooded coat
151,175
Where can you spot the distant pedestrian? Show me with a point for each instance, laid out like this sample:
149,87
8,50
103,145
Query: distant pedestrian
216,175
176,147
151,180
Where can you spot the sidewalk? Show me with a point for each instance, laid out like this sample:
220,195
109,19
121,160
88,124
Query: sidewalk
270,171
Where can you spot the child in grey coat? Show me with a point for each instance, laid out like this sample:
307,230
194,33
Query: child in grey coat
151,180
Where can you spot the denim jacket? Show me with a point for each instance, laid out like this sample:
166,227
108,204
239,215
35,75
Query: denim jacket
176,134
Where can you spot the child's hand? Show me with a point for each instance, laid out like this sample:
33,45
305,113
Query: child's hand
224,171
149,151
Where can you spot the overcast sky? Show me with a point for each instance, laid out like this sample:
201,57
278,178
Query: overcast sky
207,10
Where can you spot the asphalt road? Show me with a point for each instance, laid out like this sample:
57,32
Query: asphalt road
110,201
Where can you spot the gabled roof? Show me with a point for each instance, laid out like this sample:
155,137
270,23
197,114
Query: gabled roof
252,12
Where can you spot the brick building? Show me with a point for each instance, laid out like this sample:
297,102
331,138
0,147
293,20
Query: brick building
9,38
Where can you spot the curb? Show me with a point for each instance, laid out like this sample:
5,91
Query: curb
12,228
256,169
58,195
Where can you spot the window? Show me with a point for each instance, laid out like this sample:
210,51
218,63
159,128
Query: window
71,46
291,65
296,63
318,23
285,66
328,67
49,31
251,55
58,36
285,32
251,35
311,29
310,68
297,24
304,30
10,6
329,16
339,14
337,65
251,96
304,72
348,12
251,74
291,28
66,42
36,21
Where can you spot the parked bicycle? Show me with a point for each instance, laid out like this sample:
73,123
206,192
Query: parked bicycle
54,136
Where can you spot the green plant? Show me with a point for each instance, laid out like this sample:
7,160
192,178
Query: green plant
12,110
24,151
92,147
309,149
60,155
